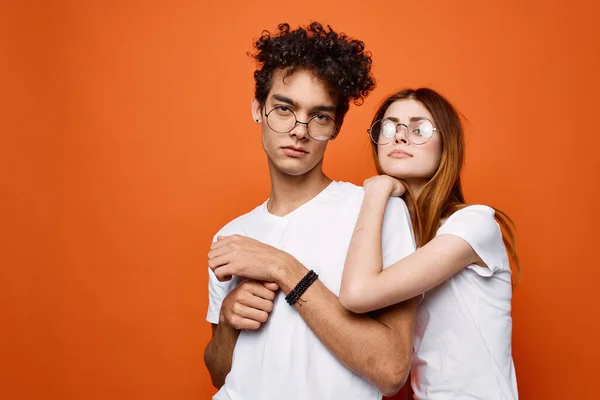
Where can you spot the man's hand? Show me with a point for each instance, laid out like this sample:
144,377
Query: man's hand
245,307
386,183
248,305
242,256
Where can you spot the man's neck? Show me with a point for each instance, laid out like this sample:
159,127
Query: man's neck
290,192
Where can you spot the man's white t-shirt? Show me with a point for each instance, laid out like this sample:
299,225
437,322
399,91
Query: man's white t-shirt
464,327
284,359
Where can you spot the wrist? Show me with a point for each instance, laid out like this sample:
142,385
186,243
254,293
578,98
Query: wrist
376,198
289,273
222,319
224,324
379,189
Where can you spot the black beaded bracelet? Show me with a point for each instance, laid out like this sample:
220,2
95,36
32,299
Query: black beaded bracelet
292,296
301,287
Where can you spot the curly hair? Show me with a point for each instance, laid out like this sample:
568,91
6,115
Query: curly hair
339,61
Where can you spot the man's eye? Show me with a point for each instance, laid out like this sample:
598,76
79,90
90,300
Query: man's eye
283,109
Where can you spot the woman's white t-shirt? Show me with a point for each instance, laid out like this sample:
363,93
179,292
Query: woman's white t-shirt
464,327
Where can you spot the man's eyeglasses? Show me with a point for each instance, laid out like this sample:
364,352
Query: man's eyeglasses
319,127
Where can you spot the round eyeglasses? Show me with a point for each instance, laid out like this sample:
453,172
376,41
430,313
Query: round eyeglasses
418,131
319,127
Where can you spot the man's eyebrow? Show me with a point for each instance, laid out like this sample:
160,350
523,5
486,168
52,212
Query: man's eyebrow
287,100
324,108
284,99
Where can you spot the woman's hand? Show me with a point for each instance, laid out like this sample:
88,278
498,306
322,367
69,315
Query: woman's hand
385,183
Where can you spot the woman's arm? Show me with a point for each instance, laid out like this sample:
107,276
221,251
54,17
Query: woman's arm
366,286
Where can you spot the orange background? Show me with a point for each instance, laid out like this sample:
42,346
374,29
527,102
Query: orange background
127,142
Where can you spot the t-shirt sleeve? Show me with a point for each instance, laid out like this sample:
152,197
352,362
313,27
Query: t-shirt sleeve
217,291
397,237
476,225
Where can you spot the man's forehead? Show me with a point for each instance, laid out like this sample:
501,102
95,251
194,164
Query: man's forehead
302,88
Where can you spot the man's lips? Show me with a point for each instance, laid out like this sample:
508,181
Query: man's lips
294,151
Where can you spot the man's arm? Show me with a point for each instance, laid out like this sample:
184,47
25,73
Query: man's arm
245,307
377,348
219,352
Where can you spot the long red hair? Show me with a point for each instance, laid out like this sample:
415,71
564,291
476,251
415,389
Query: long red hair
443,194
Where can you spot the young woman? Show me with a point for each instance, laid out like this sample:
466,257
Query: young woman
461,270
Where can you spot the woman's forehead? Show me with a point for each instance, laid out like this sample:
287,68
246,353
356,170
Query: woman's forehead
406,109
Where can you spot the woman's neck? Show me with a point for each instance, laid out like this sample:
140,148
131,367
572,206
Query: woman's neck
416,186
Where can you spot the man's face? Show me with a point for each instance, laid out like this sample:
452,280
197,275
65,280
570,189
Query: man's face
304,96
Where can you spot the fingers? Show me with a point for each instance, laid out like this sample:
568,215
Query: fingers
223,272
237,322
226,240
220,261
221,241
224,278
220,251
399,189
246,312
257,303
226,266
246,308
259,289
253,294
271,286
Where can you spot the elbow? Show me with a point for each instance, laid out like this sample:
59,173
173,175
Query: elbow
391,388
349,301
392,381
393,374
216,379
353,299
216,382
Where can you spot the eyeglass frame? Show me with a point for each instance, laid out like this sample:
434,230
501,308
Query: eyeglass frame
335,125
433,129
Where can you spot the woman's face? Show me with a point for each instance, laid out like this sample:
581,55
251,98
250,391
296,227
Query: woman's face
406,157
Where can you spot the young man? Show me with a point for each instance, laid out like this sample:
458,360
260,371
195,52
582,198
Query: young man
278,329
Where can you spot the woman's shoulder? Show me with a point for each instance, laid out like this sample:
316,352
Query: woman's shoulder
478,227
473,217
473,210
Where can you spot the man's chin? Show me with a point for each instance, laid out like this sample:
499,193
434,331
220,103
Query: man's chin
294,172
293,168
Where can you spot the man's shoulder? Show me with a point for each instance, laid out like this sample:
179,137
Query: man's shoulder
353,195
238,224
342,186
345,191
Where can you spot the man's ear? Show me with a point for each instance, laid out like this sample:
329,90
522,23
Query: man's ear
338,128
256,111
